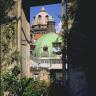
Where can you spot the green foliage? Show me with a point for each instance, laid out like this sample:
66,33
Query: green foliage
8,35
21,86
9,55
10,82
29,90
44,87
16,70
36,88
15,56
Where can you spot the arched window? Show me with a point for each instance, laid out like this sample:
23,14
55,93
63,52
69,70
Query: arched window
39,16
39,19
47,17
45,48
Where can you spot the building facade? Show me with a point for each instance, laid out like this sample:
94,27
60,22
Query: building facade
45,50
22,37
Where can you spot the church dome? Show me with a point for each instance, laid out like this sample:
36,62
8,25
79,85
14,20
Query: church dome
41,18
44,45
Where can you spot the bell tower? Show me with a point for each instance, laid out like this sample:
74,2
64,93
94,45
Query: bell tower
51,25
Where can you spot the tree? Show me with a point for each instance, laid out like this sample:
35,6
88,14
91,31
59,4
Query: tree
10,80
36,88
21,86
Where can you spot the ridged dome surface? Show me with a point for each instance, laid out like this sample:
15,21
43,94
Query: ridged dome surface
46,41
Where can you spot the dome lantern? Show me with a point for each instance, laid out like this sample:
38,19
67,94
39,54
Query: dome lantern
43,9
41,17
51,24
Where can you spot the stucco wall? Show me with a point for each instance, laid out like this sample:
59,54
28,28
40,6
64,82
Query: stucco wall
25,44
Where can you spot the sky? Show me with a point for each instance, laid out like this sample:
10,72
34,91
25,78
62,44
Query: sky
54,10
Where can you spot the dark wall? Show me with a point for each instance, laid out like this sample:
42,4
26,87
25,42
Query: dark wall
43,2
82,40
26,8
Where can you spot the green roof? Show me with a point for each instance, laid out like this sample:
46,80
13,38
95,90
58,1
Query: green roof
46,40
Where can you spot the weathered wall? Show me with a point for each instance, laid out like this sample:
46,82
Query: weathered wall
25,44
5,65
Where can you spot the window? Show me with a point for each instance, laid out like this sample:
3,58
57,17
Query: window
39,16
39,19
35,76
32,47
47,17
45,48
56,47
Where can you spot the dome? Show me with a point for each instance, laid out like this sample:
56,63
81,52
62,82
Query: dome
41,17
44,45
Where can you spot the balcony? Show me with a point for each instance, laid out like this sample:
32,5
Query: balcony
46,63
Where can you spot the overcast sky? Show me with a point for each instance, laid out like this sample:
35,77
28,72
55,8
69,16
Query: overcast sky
54,10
